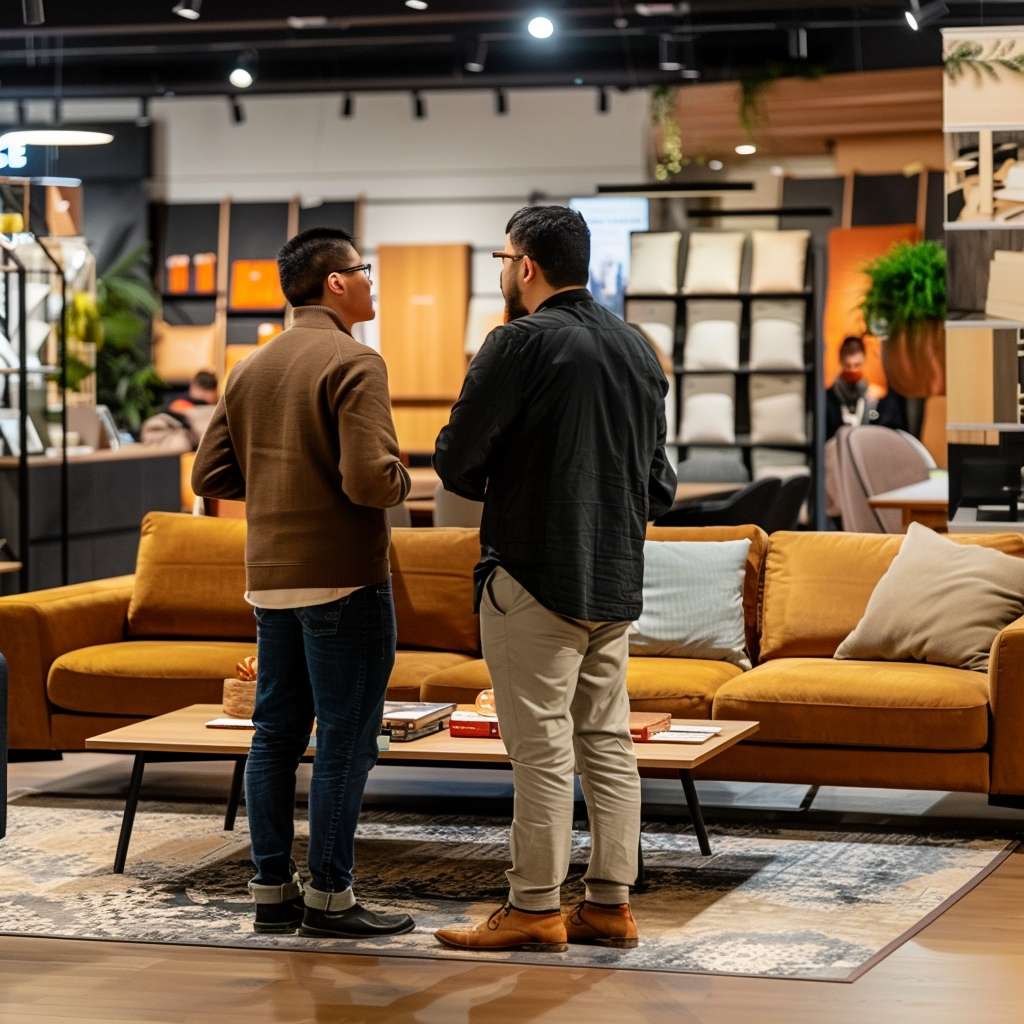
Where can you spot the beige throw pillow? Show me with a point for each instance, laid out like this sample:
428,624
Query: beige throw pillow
713,262
939,602
780,261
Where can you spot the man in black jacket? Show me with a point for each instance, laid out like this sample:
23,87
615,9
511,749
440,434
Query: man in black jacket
560,431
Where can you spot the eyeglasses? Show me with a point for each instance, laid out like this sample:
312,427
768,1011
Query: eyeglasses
364,267
508,256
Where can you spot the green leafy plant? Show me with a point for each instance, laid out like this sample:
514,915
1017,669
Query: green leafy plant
907,288
126,381
968,56
754,84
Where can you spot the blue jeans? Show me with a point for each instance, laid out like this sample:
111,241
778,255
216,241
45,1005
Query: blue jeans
331,661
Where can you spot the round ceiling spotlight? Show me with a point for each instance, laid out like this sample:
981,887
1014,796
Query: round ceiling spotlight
715,165
746,149
243,74
417,5
187,9
56,137
541,27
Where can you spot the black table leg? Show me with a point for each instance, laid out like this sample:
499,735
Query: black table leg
235,796
128,820
696,815
809,797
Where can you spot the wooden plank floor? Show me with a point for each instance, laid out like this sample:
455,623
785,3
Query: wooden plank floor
968,966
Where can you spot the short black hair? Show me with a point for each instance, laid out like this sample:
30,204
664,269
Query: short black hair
305,261
852,346
558,239
206,380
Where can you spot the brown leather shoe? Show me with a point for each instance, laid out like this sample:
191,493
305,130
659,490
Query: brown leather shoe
508,928
592,924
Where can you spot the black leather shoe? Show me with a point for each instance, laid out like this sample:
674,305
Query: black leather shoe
279,918
355,923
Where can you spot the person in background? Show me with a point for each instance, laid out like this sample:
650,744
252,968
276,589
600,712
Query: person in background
852,401
560,431
202,390
304,436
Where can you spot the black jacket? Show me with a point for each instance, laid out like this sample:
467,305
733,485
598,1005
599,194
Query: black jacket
888,411
560,431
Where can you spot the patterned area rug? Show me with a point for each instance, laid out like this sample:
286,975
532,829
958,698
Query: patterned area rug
780,903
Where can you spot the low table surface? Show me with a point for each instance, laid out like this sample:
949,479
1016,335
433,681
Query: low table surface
186,732
932,493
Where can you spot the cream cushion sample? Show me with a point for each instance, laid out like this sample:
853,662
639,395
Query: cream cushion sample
713,262
654,262
777,414
939,602
657,320
712,335
777,334
709,410
779,261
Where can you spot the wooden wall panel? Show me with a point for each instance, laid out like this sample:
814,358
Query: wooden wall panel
418,424
424,297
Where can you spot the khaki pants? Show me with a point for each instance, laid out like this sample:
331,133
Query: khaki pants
560,688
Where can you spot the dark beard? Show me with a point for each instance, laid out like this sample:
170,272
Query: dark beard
514,308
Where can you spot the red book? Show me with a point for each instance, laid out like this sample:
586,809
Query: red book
469,723
645,724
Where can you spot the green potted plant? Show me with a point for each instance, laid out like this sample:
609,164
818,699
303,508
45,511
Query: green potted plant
905,305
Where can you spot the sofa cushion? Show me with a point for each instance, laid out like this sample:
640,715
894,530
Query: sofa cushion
432,578
190,579
896,705
939,603
144,677
817,586
681,686
755,562
413,667
151,677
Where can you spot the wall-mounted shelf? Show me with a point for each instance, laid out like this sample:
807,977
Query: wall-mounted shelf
982,321
1003,428
966,521
985,225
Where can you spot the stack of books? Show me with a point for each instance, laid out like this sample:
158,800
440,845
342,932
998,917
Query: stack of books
643,725
405,721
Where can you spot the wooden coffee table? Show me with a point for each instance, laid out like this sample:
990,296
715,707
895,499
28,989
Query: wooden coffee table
183,736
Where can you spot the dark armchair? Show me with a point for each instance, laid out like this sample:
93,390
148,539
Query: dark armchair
751,506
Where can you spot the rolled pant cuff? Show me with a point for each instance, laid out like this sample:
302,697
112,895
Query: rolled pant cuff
330,901
277,893
606,892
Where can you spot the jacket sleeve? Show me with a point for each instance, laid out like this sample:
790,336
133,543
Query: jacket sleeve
661,486
216,472
488,403
372,473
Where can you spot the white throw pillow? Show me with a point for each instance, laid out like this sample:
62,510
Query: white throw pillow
712,335
693,601
654,263
777,410
709,410
779,261
713,261
777,335
657,320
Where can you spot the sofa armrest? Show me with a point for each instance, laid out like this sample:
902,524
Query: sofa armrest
1006,699
37,628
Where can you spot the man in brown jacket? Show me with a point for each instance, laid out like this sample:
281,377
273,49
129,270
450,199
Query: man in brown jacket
304,436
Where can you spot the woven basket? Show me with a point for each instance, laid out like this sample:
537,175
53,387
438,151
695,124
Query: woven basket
239,698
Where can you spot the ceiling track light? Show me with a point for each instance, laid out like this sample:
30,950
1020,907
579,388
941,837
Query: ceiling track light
347,105
541,27
476,60
602,100
237,110
668,54
920,15
419,106
500,102
187,9
32,12
243,74
798,43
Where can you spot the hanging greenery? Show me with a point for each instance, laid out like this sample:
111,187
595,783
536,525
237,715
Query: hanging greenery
669,139
973,57
754,84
